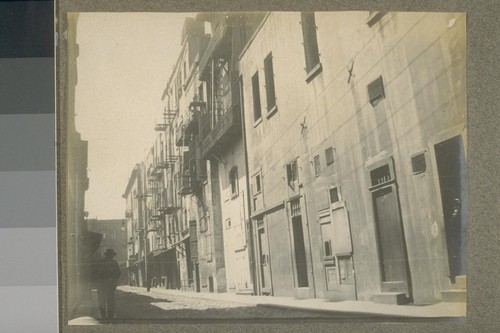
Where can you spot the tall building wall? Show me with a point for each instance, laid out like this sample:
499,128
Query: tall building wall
234,200
421,59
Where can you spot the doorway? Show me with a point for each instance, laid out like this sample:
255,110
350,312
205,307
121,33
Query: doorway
395,276
452,173
265,270
300,252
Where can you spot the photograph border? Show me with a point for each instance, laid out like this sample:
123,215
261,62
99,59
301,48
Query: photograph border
482,161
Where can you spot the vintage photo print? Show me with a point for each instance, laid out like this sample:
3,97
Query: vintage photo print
263,165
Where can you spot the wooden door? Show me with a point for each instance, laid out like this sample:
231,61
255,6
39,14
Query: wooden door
264,263
392,247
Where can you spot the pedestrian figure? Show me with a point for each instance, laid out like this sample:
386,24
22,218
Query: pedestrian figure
106,273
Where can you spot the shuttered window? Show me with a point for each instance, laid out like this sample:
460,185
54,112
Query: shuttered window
310,40
269,79
376,91
257,113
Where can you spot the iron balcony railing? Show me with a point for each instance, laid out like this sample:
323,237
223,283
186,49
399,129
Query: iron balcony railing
221,26
228,124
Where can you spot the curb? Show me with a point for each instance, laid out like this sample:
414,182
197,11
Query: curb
340,313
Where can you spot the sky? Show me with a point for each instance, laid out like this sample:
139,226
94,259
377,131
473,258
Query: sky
123,66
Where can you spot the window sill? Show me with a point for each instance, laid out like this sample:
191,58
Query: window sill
337,205
314,72
257,122
234,195
374,17
271,112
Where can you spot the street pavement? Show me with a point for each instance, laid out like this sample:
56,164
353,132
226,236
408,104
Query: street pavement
136,305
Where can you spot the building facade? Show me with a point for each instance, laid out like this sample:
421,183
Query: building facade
311,155
135,228
81,245
356,131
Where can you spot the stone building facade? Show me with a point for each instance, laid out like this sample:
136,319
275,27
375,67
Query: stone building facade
313,155
356,133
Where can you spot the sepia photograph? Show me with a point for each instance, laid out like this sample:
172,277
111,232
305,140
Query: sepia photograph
263,166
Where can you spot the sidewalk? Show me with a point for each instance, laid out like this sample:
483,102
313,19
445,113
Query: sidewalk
439,310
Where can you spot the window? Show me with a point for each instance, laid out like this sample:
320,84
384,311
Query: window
311,52
334,195
257,184
376,91
380,175
418,164
257,191
269,79
233,179
257,113
329,156
292,174
201,96
228,223
317,165
326,236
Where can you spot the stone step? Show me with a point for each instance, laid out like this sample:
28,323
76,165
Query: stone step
454,295
245,292
390,298
460,282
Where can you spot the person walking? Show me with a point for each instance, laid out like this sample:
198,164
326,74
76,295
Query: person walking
106,274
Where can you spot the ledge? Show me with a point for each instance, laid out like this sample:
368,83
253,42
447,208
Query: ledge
271,112
314,72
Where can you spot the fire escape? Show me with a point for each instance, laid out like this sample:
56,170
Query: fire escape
160,179
187,135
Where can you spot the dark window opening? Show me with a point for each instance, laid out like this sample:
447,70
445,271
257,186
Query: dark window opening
310,40
376,91
201,96
257,112
317,165
328,248
292,174
380,175
269,79
418,164
329,156
334,195
327,237
257,184
233,178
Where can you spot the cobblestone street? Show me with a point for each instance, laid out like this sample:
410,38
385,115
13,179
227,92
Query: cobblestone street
136,304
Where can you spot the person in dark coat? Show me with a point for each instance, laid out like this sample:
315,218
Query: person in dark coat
106,274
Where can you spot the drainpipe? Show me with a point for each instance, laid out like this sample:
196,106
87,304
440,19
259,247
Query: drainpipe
249,199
